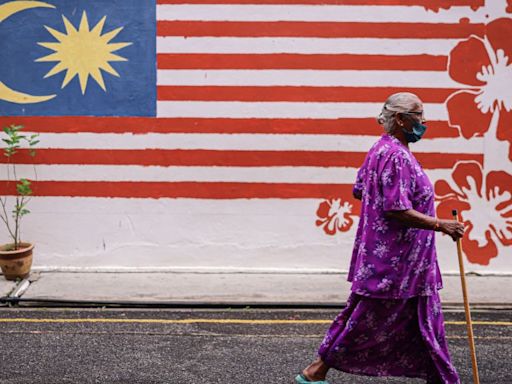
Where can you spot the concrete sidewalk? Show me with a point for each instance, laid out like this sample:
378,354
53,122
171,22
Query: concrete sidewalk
238,288
6,287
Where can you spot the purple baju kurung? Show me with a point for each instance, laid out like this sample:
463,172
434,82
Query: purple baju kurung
393,324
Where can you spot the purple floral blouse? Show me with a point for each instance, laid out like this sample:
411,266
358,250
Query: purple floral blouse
391,260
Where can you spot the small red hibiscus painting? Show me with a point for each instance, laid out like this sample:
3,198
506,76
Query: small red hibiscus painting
335,215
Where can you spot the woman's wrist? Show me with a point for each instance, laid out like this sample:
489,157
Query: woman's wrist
436,226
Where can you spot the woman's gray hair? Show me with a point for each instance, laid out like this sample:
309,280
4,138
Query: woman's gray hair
398,102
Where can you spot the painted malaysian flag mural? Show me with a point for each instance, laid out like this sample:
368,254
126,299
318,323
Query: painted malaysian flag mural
228,133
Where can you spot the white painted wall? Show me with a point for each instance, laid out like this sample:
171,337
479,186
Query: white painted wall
176,234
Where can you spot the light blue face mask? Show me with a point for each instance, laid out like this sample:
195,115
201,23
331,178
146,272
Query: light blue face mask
418,130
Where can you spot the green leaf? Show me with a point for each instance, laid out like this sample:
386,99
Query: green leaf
16,128
23,187
10,151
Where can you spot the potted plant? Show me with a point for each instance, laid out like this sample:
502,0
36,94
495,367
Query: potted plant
16,256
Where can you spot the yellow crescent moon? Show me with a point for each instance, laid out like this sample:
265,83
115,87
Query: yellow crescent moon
6,93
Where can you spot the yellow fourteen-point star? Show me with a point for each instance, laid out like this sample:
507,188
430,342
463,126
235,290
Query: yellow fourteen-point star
84,52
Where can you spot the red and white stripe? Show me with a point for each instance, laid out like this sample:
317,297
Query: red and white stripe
265,99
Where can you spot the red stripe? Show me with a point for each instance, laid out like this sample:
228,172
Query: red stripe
429,4
302,61
226,158
202,190
142,125
318,29
300,94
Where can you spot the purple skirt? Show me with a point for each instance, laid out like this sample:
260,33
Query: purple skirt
386,337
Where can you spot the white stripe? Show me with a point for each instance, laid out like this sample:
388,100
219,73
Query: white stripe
445,145
306,175
334,13
304,45
309,175
247,142
422,79
281,110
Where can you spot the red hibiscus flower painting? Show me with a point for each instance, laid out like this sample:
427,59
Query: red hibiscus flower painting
485,66
334,216
485,205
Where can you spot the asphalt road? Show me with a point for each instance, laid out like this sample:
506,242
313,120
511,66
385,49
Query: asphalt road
199,346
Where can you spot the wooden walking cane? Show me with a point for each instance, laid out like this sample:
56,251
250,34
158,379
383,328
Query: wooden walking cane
469,325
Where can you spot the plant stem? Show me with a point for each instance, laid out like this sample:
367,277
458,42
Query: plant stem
16,222
5,217
19,217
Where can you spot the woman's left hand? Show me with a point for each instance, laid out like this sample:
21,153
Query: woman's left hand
452,228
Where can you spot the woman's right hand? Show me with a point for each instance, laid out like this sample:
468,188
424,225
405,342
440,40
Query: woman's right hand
452,228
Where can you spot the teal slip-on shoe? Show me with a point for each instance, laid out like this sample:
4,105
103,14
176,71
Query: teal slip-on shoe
300,379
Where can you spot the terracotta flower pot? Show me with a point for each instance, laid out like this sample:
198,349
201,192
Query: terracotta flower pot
16,264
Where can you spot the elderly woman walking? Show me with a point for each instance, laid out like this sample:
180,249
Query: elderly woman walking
392,324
